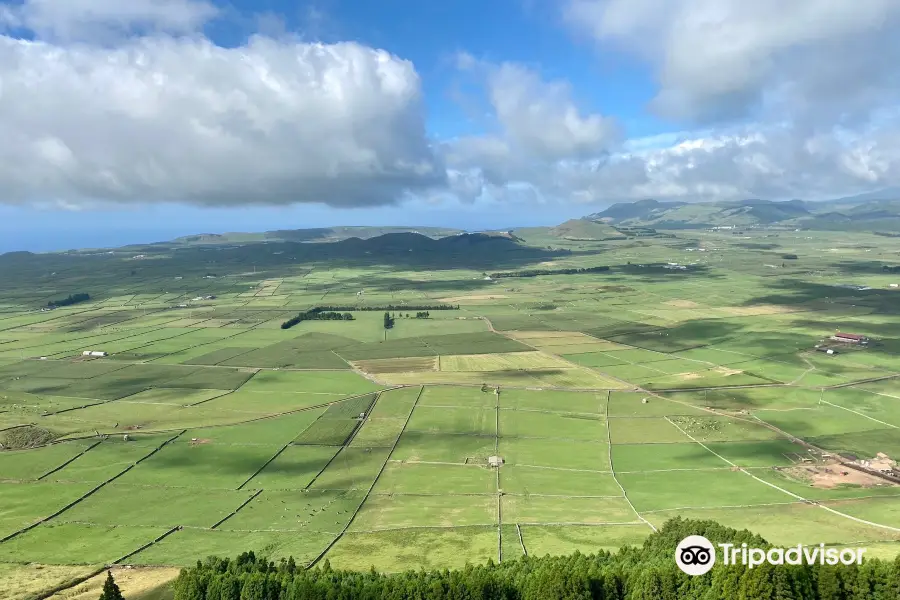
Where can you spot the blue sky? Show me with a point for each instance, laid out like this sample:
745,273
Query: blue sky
158,118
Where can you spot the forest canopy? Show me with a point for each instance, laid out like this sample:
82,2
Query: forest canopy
648,572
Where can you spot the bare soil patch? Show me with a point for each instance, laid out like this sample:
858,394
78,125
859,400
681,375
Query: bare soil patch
832,475
689,376
682,303
726,371
759,309
200,441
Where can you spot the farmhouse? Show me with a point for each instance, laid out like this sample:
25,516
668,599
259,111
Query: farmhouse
94,353
495,461
850,338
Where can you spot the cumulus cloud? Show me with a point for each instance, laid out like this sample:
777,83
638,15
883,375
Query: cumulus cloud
752,162
181,119
795,100
540,117
538,124
725,59
92,19
109,100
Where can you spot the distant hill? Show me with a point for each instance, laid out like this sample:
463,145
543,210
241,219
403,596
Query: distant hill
859,213
585,229
318,235
394,243
642,209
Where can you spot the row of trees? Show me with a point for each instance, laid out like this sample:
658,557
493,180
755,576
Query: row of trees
645,573
340,313
391,307
69,300
537,272
317,314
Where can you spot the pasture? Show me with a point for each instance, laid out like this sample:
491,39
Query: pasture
615,400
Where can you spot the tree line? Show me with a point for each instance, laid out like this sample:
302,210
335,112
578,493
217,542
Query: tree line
340,313
633,573
403,307
69,300
537,272
317,314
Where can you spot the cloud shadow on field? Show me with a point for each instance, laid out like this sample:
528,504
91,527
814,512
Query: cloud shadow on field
793,291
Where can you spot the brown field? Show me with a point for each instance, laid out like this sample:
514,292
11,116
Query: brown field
396,365
18,582
726,371
760,309
501,362
136,583
689,376
833,475
682,303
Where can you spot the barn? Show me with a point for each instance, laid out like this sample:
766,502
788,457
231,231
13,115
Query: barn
850,338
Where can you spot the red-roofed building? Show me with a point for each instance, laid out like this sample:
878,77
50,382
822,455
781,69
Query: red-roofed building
850,338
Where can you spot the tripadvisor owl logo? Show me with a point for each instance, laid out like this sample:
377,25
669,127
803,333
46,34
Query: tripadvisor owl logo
695,555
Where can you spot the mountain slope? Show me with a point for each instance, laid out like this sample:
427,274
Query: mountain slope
585,229
319,234
880,214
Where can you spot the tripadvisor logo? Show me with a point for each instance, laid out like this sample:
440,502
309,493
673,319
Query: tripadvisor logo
696,555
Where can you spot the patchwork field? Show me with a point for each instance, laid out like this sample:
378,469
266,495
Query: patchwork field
615,401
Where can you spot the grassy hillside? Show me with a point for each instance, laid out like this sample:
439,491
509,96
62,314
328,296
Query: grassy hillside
585,229
862,214
623,382
321,234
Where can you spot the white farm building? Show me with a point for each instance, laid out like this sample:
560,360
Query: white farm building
94,353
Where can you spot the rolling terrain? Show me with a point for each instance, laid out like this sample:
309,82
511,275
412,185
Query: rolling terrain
865,213
684,380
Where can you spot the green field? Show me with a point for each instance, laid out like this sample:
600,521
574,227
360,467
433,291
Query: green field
616,400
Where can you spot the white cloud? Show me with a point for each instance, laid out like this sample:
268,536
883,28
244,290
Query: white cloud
797,100
161,118
542,119
538,125
93,19
771,163
722,59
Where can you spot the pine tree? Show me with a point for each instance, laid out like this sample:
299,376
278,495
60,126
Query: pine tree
110,589
828,585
